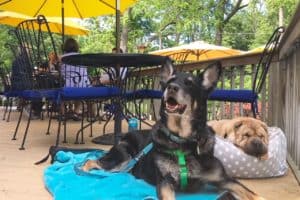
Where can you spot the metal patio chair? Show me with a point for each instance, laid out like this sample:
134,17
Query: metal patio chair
34,48
251,96
9,94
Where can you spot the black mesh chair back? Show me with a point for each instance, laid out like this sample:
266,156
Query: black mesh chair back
36,42
263,65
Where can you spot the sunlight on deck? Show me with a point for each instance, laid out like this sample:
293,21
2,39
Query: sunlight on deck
21,178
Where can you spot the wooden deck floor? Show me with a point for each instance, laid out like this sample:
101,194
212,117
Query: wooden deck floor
20,178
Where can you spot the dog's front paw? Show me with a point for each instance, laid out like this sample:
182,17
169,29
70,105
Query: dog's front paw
90,164
166,192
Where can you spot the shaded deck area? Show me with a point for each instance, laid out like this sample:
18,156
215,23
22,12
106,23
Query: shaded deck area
21,178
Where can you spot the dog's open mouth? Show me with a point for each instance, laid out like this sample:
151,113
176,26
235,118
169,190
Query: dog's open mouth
172,106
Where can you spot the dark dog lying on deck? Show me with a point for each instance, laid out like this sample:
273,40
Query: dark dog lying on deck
182,154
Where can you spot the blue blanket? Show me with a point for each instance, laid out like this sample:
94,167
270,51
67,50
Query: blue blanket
64,181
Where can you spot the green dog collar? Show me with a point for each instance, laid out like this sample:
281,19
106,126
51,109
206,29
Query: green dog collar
183,170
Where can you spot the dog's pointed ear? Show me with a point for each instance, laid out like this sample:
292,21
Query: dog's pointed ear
167,70
211,75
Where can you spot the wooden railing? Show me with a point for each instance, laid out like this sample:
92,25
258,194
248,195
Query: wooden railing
285,91
238,73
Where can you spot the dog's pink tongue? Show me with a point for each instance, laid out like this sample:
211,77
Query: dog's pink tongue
171,106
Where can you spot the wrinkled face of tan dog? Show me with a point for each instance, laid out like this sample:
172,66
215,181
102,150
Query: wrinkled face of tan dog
251,135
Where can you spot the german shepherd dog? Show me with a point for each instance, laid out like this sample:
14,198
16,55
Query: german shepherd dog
182,154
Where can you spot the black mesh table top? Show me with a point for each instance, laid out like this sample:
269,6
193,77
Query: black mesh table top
113,59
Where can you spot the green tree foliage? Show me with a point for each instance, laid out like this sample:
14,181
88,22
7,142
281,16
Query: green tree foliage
238,34
101,37
265,18
6,54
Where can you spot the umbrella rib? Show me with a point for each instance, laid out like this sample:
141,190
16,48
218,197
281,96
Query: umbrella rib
58,27
5,2
78,11
107,4
37,12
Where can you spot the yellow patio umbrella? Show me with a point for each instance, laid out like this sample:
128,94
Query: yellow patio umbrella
71,28
197,51
72,8
260,49
255,50
69,8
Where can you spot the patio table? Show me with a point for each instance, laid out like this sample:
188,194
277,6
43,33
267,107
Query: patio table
115,60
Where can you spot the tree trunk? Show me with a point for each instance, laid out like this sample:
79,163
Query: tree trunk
124,33
124,38
223,16
219,35
220,12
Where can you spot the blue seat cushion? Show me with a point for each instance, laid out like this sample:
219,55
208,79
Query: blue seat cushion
13,93
144,94
33,95
246,96
73,93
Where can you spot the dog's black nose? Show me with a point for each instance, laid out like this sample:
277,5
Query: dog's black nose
257,143
257,147
173,88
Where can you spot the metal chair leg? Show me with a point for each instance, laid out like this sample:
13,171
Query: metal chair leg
140,116
49,124
254,109
65,128
82,118
18,124
59,127
26,130
90,110
91,128
6,108
10,108
80,131
108,119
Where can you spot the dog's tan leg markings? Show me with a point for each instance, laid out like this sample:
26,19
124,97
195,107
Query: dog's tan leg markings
90,164
167,192
241,192
237,189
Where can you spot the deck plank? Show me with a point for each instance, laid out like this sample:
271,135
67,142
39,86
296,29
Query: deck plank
20,178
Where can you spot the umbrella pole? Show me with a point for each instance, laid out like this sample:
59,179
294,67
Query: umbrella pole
63,21
118,25
118,113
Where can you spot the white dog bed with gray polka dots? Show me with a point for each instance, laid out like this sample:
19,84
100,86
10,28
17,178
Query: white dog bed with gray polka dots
241,165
